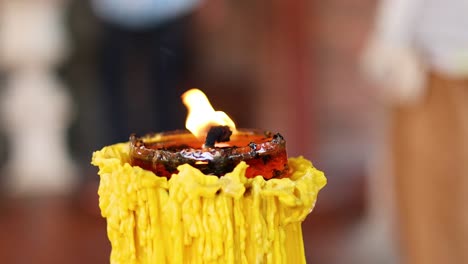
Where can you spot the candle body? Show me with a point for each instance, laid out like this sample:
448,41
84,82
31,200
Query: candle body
197,218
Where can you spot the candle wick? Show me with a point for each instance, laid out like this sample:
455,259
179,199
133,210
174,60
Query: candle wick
217,134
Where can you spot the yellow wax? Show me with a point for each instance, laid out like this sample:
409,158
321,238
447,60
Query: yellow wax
197,218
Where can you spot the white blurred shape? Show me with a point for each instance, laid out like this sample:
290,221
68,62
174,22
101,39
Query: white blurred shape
36,112
398,71
31,33
35,107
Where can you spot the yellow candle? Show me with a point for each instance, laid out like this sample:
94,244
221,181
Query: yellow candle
198,218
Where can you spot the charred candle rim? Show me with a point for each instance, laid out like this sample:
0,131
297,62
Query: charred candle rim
211,160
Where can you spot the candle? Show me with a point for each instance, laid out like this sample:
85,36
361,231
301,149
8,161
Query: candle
216,194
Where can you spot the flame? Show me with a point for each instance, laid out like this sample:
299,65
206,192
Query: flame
201,115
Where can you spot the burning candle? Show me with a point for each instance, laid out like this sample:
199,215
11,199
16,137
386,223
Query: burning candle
216,194
210,147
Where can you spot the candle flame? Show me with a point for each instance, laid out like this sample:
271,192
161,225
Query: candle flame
201,115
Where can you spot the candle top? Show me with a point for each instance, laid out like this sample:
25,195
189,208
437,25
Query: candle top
162,153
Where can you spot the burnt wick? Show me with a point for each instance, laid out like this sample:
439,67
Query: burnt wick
217,134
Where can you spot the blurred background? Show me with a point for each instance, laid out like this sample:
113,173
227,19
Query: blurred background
286,66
